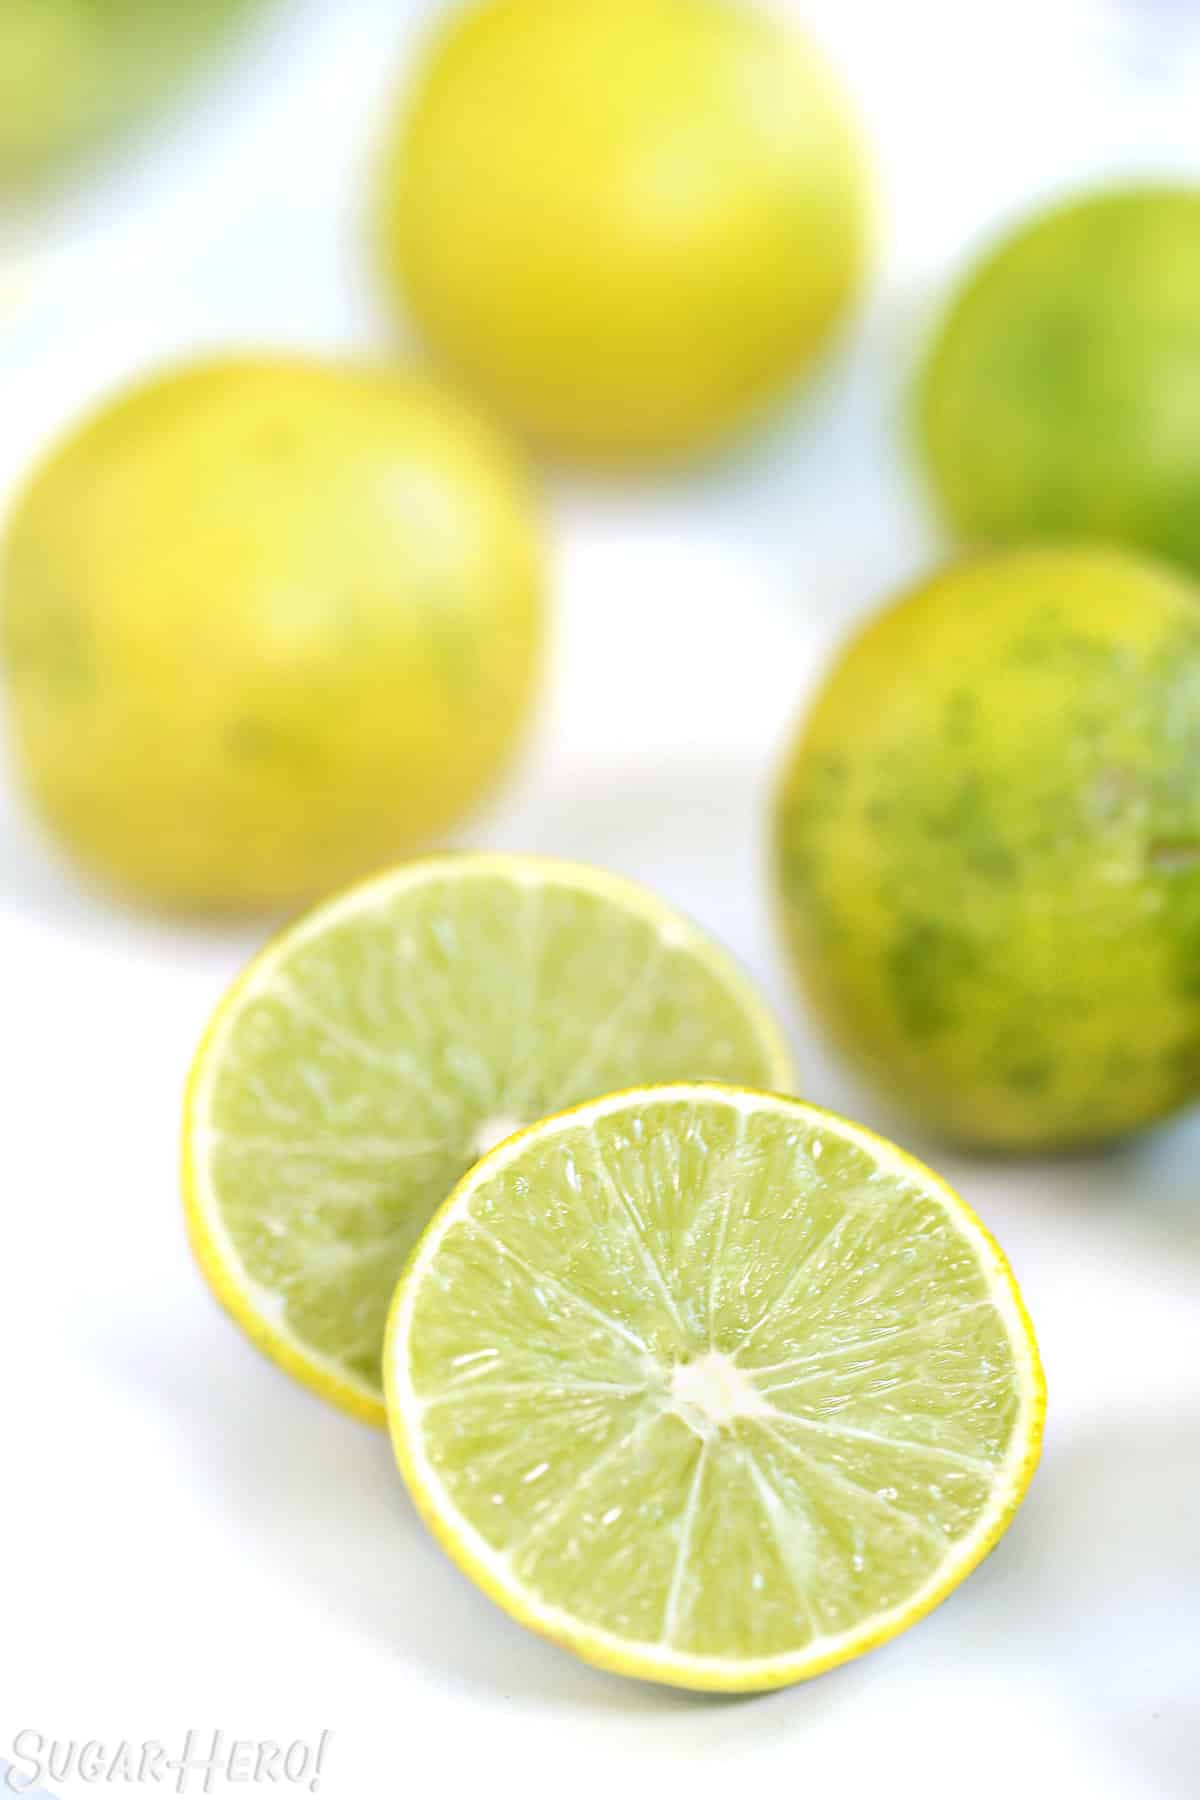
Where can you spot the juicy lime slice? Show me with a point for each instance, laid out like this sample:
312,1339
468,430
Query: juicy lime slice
374,1051
711,1387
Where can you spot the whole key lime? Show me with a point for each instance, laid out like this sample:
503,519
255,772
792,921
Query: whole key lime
265,624
987,847
71,70
1061,394
626,225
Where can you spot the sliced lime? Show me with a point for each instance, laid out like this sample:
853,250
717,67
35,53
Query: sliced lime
710,1386
375,1050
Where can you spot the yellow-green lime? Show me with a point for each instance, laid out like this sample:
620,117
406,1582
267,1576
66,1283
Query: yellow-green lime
711,1387
1061,394
987,847
376,1049
70,69
628,226
267,623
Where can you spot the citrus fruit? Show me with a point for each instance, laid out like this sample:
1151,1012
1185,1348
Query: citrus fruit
267,623
72,68
376,1049
987,847
711,1387
1061,394
627,226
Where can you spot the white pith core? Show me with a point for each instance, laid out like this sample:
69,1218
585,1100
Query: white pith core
493,1131
712,1392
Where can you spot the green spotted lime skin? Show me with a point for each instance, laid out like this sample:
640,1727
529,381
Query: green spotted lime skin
987,848
1061,394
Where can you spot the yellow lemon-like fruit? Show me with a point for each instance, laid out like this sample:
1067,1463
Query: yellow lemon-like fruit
988,847
627,226
266,623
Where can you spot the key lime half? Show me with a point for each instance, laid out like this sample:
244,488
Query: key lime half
711,1387
369,1055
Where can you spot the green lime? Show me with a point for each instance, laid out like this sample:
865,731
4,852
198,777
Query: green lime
71,69
266,624
626,224
711,1387
987,847
1061,395
374,1051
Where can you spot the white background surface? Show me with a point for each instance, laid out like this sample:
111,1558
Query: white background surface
190,1541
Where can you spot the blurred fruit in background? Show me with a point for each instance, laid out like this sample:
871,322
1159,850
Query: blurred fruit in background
988,847
73,69
267,623
1061,394
627,226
